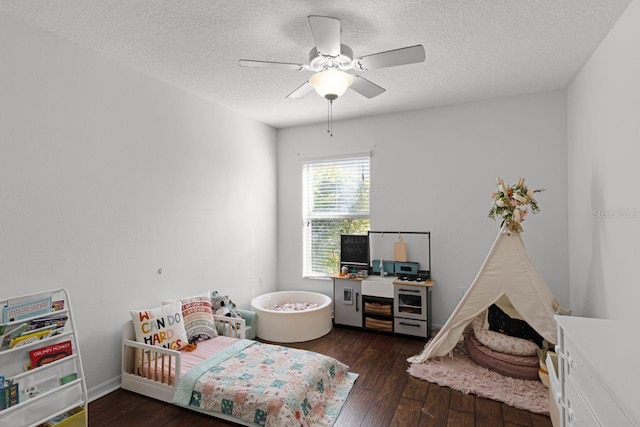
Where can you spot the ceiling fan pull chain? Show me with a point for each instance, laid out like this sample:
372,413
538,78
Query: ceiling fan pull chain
330,118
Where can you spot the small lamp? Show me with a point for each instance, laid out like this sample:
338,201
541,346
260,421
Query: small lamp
331,84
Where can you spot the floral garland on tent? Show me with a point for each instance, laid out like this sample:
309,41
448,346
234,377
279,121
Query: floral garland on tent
510,203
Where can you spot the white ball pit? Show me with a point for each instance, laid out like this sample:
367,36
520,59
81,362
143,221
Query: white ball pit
292,326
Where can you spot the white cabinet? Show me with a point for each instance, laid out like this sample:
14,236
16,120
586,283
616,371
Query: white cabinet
412,308
598,372
57,387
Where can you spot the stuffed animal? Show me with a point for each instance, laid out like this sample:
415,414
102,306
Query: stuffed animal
190,347
222,305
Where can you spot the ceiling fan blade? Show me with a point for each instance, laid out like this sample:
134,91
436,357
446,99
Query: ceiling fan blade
391,58
326,34
269,64
301,92
366,88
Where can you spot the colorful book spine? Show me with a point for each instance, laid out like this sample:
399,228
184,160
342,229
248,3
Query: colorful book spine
9,396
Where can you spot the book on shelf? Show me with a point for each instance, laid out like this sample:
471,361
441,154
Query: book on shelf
57,305
12,332
50,329
30,337
71,415
68,378
58,322
50,353
36,329
8,396
23,310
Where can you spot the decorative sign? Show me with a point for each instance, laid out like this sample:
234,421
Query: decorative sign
354,249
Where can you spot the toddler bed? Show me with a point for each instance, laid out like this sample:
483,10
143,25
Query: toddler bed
238,380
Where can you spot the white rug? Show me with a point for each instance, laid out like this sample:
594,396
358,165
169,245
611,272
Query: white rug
463,374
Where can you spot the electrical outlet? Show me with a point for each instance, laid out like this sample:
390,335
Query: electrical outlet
261,281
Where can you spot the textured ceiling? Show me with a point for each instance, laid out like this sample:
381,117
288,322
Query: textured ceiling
476,49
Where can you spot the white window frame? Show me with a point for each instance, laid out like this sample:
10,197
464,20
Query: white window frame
319,209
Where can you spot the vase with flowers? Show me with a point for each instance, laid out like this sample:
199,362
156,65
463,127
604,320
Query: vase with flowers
511,203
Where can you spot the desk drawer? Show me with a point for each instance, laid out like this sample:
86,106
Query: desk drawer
577,412
594,391
380,308
416,328
378,324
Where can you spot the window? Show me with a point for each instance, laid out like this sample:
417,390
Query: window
335,201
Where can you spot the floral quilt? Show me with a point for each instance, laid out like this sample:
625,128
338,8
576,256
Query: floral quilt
268,385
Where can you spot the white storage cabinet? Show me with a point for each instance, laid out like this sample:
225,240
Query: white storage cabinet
598,374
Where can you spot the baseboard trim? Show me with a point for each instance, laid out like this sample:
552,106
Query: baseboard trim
436,326
105,388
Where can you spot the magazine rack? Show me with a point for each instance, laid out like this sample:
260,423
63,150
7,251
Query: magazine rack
54,393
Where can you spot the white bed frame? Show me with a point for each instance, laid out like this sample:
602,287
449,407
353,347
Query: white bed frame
138,380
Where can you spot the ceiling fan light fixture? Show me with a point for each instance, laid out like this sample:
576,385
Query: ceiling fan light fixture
331,83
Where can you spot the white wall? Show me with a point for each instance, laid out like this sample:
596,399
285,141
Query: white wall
107,175
604,147
434,170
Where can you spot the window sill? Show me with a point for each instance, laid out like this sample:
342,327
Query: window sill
317,277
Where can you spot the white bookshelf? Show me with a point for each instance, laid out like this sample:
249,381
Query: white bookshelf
41,396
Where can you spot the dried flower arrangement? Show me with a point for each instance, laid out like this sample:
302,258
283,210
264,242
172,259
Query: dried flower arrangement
510,203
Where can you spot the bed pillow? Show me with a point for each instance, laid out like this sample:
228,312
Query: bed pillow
162,326
198,317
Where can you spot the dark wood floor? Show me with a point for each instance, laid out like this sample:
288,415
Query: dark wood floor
384,394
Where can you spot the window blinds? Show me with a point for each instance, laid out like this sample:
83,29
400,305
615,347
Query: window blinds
335,201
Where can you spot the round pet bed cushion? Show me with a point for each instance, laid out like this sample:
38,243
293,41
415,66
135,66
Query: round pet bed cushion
524,367
503,343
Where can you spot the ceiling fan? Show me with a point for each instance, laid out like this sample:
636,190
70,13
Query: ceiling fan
335,66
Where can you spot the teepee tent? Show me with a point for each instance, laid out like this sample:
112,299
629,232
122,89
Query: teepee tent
507,271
